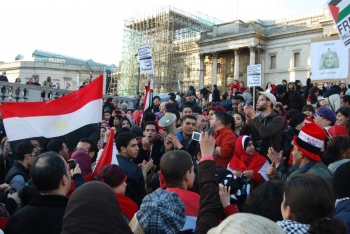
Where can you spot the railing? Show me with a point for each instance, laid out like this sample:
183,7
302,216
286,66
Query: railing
14,92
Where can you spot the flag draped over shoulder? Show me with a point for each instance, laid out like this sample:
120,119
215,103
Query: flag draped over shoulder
54,118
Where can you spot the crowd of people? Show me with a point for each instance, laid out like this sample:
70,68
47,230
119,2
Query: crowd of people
35,81
218,165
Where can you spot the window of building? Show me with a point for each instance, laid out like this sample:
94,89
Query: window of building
219,69
273,61
296,59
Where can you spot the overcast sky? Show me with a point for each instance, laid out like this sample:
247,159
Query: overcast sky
94,29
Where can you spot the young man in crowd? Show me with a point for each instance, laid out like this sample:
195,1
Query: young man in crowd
225,139
266,128
127,147
150,147
178,172
19,174
183,139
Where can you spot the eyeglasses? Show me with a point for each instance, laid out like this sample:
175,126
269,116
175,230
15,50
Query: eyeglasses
259,100
325,105
33,154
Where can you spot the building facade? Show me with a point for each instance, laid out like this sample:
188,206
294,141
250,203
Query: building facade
62,69
227,50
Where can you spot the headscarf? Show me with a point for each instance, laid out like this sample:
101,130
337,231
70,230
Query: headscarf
242,160
93,208
84,161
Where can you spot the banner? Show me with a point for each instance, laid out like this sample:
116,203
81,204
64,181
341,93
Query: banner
329,60
145,60
254,75
340,11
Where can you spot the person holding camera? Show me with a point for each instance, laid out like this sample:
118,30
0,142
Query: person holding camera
266,128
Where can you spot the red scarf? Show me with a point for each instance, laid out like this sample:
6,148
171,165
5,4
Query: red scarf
242,161
127,206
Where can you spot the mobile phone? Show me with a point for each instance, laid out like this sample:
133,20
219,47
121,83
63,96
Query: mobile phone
196,136
72,164
118,112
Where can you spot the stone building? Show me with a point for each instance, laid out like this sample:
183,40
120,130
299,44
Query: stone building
227,50
62,69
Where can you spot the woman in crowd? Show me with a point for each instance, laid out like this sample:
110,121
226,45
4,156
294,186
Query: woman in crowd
338,152
115,177
84,209
6,151
271,88
18,80
308,110
291,87
308,198
325,118
124,123
342,117
243,88
248,163
239,122
103,131
313,96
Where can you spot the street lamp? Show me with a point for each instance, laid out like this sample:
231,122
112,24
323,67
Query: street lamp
138,78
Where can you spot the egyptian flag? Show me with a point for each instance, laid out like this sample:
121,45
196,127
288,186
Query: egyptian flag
148,103
71,117
107,157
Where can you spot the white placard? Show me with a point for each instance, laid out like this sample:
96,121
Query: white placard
145,60
329,60
254,75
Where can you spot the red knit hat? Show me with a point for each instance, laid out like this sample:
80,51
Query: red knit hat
310,141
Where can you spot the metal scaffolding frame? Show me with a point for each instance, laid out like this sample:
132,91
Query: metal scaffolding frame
172,34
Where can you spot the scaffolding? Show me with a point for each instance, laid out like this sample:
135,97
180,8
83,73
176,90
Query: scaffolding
172,34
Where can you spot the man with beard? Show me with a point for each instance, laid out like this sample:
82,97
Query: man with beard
183,140
150,147
266,128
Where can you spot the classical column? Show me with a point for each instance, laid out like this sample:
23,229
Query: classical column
215,67
252,55
236,71
201,70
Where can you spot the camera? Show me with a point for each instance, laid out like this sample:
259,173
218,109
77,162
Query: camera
260,145
196,136
72,164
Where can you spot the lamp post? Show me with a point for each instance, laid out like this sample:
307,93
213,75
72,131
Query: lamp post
258,47
138,77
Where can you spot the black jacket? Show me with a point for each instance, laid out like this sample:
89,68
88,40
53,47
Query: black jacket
4,78
268,129
43,215
157,153
287,137
17,169
216,95
135,189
